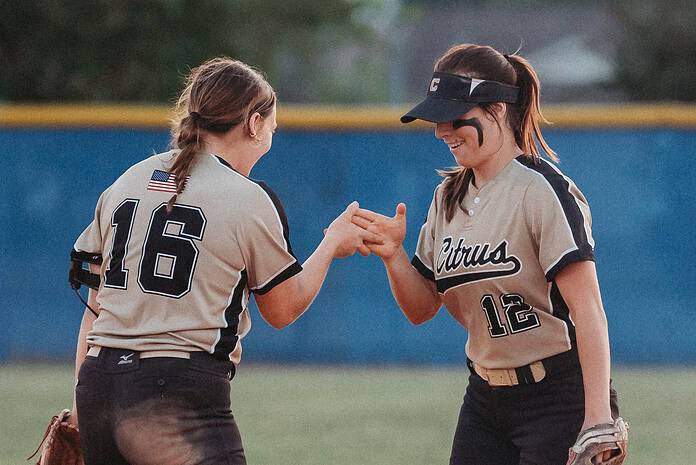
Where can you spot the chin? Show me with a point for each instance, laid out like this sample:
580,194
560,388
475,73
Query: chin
462,161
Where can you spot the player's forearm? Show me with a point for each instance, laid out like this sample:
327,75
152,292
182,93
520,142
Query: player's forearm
593,350
85,327
580,289
314,271
289,300
412,292
88,318
81,350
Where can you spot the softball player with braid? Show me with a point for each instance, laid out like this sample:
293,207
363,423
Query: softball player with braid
178,244
507,247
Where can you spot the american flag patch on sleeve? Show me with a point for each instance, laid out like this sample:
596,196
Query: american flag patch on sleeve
162,181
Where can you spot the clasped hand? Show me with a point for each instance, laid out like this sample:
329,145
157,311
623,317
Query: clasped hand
364,231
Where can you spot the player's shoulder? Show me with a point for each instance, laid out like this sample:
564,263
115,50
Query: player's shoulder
539,174
139,173
546,182
158,161
253,194
266,199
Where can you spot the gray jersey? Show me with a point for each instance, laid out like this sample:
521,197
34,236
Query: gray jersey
181,280
494,264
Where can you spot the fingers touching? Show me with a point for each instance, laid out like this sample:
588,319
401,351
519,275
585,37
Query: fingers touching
361,222
363,216
368,236
364,231
368,215
351,209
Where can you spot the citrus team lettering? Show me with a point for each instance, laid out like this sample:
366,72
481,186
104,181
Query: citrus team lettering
452,257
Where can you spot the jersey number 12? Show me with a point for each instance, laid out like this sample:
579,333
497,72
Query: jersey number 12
519,315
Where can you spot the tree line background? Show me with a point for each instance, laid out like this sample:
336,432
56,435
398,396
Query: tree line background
313,51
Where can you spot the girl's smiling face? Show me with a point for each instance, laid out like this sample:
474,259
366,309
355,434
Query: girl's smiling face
474,137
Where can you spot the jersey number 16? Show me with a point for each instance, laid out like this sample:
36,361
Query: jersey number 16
169,253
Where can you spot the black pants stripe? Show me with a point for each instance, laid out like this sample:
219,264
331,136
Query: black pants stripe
156,410
528,424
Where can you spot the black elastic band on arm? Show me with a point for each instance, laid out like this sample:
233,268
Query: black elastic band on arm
94,258
78,275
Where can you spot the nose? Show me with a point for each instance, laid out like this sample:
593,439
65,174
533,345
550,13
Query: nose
442,129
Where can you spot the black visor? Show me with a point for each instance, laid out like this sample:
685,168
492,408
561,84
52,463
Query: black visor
452,95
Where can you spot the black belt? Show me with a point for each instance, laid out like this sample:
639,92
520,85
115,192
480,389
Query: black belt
526,374
122,360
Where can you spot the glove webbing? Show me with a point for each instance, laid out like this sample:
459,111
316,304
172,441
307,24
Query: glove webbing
56,419
602,433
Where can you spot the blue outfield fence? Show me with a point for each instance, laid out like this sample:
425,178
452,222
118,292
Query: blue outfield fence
639,182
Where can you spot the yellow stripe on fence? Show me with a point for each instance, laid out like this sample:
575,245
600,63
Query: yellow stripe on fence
329,117
76,115
624,115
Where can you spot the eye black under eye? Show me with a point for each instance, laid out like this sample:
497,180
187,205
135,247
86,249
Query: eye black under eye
473,122
458,123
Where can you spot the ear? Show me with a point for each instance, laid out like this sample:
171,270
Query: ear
500,110
255,122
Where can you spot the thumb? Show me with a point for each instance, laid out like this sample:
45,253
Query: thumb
400,212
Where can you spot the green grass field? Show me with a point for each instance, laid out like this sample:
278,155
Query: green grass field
361,416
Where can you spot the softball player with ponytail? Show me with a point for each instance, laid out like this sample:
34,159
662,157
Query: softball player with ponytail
507,247
178,244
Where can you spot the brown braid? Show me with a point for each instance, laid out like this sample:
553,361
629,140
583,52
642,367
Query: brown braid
219,95
189,142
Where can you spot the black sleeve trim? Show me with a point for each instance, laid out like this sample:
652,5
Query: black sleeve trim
422,269
281,212
561,311
561,188
578,255
228,335
284,275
